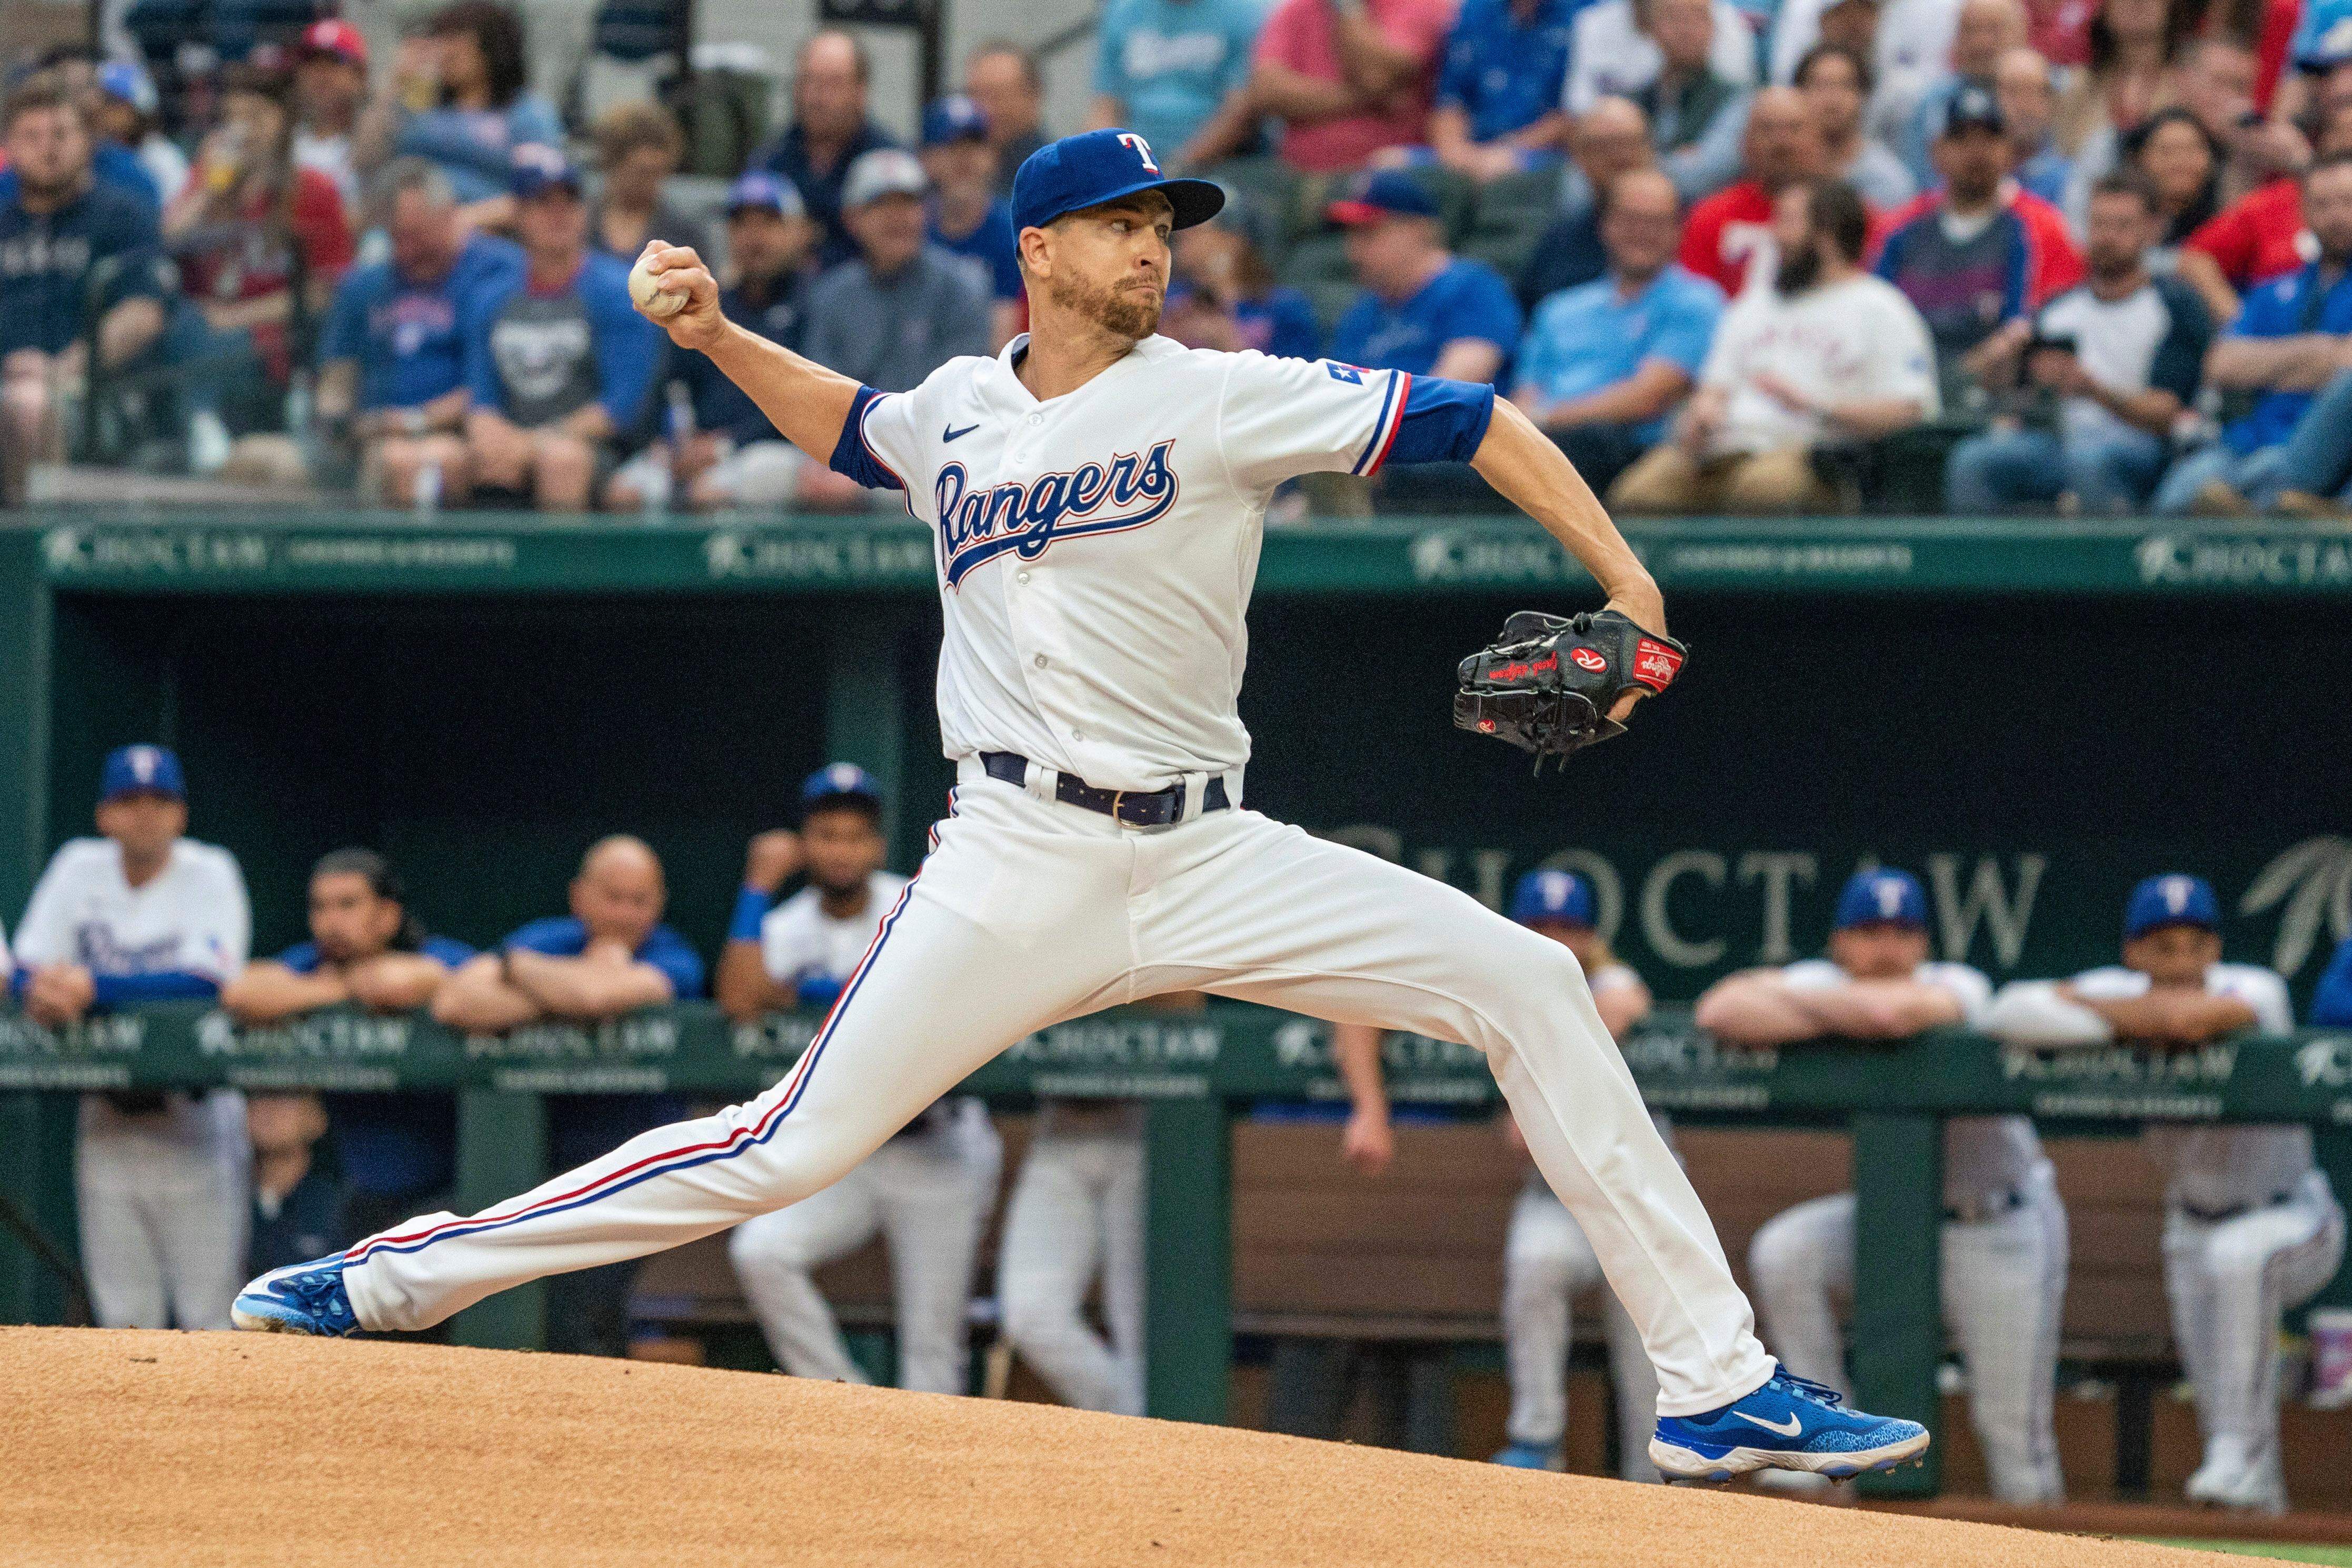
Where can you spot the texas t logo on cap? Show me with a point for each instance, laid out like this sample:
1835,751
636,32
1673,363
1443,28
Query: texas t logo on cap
1141,149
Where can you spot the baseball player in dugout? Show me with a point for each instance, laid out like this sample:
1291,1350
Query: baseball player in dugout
2004,1235
928,1191
2251,1228
1096,494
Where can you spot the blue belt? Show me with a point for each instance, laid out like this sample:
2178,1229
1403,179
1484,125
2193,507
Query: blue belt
1136,807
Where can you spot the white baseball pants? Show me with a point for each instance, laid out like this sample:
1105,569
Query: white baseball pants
2229,1281
165,1207
1028,911
1547,1263
927,1194
1077,1209
2004,1293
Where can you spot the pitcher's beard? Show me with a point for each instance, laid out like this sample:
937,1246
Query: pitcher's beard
1124,312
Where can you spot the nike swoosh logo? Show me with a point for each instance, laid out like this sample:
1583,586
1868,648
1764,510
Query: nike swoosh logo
1791,1430
952,433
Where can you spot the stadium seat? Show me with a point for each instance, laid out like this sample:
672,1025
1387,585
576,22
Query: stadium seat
1509,215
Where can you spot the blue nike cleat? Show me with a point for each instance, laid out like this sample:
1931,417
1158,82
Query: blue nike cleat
302,1298
1532,1456
1789,1424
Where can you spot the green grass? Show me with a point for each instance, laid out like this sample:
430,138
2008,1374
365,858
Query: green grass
2274,1550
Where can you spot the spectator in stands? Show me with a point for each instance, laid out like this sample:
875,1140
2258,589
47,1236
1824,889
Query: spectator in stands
125,113
2122,353
1224,295
110,164
1967,259
1606,363
1836,84
366,951
928,1190
1822,351
145,914
298,1208
2004,1241
2250,1230
1004,80
1498,99
611,957
560,371
61,231
968,218
639,146
733,457
2213,81
1695,114
1613,50
2132,43
1423,309
2029,104
1612,139
1347,77
2287,343
1987,29
470,75
2262,235
330,90
2183,166
830,129
393,359
1728,237
1169,70
279,222
903,307
1548,1261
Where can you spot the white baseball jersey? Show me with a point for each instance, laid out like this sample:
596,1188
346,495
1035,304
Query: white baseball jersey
2218,1168
799,941
1983,1155
192,918
1096,551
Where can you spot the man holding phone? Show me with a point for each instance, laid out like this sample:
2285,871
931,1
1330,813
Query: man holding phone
2121,353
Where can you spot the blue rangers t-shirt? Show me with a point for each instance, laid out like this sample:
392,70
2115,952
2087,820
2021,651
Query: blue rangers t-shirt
1505,74
409,337
991,242
720,405
1590,336
47,260
564,936
1170,63
543,353
2285,307
1466,299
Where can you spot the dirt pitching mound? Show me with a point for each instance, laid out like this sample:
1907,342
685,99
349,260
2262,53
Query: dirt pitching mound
165,1449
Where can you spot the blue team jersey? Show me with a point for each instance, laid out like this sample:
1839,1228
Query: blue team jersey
1588,337
1170,63
2284,308
46,260
992,245
1505,74
475,147
410,338
1467,299
665,950
303,956
539,353
1282,323
720,405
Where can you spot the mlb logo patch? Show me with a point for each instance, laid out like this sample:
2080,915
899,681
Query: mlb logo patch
1347,373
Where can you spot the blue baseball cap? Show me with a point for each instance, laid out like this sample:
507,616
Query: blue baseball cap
124,80
1389,193
837,780
955,119
1086,171
539,168
769,193
2172,900
1882,897
140,769
1561,897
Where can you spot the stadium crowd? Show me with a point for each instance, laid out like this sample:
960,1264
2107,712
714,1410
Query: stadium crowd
1736,256
182,1195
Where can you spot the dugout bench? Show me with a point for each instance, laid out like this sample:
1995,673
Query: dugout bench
1197,1071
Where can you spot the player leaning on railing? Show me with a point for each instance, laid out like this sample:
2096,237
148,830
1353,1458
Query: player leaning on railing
1097,493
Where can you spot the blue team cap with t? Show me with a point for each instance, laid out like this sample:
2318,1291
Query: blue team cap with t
1883,897
2172,900
1389,194
140,769
1086,171
1559,896
539,168
121,80
956,119
837,780
768,193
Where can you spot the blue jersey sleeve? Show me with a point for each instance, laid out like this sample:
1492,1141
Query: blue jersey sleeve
2018,281
668,951
1444,421
1486,309
560,937
2331,1004
302,958
1459,78
852,458
446,950
345,335
2180,362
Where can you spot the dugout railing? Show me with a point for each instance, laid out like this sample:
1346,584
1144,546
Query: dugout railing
1198,1071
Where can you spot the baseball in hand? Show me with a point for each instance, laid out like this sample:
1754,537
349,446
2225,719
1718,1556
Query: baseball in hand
651,297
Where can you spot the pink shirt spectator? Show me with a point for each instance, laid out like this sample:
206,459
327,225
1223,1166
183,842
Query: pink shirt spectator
1303,35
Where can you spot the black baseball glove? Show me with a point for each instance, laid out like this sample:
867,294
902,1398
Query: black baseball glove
1547,685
